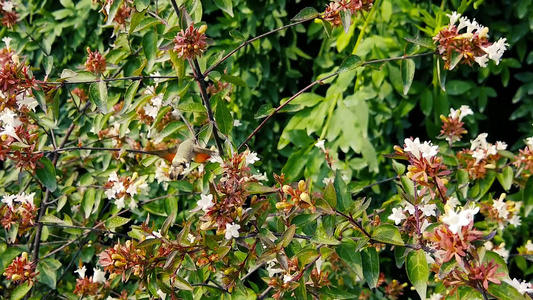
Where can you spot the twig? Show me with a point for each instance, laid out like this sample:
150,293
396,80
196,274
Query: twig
282,106
252,40
211,286
264,293
320,81
200,79
140,77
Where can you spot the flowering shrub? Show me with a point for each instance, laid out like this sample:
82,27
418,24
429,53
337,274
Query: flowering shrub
154,182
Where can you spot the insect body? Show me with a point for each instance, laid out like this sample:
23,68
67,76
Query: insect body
187,152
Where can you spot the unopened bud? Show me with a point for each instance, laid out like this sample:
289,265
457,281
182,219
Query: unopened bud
301,185
202,29
484,32
24,256
15,59
119,264
117,256
305,198
286,189
16,277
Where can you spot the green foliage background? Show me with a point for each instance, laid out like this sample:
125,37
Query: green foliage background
361,114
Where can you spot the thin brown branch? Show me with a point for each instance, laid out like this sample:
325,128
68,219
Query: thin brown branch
107,80
200,79
223,59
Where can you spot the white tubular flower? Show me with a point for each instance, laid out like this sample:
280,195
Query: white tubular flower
319,263
521,286
495,51
161,294
428,210
236,123
113,177
9,118
529,246
397,215
28,101
412,146
480,142
206,202
463,22
99,275
133,204
472,26
271,270
120,203
428,150
8,6
8,200
453,18
501,145
529,142
10,131
251,158
151,110
320,144
81,271
232,231
482,60
456,221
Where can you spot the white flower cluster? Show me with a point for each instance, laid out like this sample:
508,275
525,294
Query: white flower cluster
521,286
482,149
232,231
98,275
399,213
504,209
8,121
118,188
462,112
425,150
494,51
21,198
8,6
456,220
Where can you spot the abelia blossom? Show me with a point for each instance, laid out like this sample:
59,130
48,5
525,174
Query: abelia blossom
333,11
205,202
521,286
456,221
232,231
452,125
191,42
81,271
95,62
503,212
21,270
470,46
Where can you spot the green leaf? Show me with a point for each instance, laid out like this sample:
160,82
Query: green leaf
170,129
441,75
225,5
327,27
504,291
458,87
407,69
81,76
129,95
527,196
47,174
237,35
223,118
322,237
347,252
424,42
255,188
346,19
370,260
150,47
330,196
418,271
264,111
39,96
98,95
506,177
286,238
350,63
456,59
141,5
48,271
388,234
344,199
426,102
182,284
233,79
192,107
115,222
306,14
51,219
87,202
20,291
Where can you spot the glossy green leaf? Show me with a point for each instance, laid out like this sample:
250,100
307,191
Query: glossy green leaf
48,271
407,69
347,252
20,291
233,79
370,260
286,238
131,91
225,5
98,95
87,202
116,221
46,172
421,41
322,237
505,291
350,63
388,234
150,47
527,196
237,35
346,19
223,118
418,271
264,111
182,284
505,177
306,14
141,5
192,107
330,195
344,198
